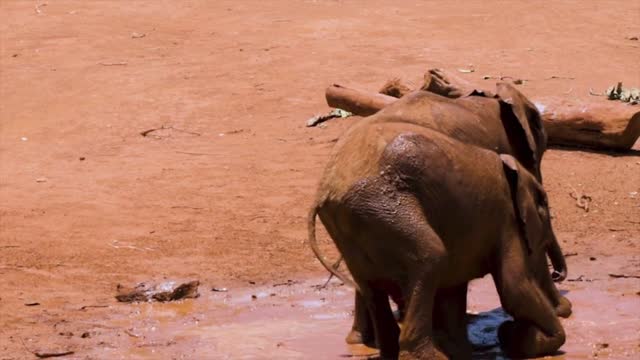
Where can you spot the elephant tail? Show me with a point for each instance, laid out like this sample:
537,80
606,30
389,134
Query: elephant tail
557,260
313,242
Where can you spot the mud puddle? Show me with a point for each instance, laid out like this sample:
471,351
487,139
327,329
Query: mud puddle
298,320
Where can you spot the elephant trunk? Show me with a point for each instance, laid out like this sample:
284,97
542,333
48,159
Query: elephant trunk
557,260
316,250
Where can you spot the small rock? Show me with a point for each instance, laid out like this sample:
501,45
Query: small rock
254,297
85,335
635,38
24,138
221,289
81,158
136,35
32,304
592,258
41,180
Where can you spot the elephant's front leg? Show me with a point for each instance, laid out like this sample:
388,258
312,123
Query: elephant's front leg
561,304
362,330
536,330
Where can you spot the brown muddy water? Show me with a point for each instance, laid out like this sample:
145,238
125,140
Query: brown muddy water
297,320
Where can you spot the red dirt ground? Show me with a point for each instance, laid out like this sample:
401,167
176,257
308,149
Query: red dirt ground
221,193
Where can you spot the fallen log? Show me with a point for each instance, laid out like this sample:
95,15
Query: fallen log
609,125
604,126
355,101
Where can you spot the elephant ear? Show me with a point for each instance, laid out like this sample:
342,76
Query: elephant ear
524,204
523,124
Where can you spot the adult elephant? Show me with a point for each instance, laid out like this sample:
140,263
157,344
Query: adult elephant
416,215
505,123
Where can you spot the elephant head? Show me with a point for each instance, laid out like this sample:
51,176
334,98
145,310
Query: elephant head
530,205
534,221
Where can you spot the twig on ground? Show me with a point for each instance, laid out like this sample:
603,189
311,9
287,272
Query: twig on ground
163,127
130,333
93,306
580,279
582,200
335,113
624,276
287,283
53,354
194,153
116,244
560,77
117,63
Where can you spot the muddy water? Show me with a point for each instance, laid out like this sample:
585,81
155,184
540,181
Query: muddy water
300,321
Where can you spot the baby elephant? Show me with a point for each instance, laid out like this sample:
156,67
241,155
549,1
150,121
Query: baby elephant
416,216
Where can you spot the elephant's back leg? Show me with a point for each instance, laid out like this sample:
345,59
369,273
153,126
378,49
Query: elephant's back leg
391,246
386,234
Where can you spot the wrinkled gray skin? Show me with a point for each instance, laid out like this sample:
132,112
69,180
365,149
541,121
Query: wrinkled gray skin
505,123
416,216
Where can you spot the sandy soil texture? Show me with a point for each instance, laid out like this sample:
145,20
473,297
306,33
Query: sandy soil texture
219,190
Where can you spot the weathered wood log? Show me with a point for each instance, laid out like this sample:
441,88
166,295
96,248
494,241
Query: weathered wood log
355,101
600,125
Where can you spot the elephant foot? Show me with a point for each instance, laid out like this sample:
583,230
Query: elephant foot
355,337
563,309
432,354
522,339
455,348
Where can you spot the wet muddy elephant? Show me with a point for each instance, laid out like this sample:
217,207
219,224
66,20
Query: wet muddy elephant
505,123
416,216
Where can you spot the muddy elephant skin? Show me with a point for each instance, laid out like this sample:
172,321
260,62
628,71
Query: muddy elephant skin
417,215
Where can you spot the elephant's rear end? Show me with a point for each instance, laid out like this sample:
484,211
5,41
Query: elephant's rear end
417,185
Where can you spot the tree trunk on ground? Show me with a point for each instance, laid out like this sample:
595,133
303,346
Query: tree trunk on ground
355,101
600,125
